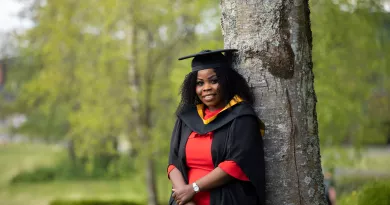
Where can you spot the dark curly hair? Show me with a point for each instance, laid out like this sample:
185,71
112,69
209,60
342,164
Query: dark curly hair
230,81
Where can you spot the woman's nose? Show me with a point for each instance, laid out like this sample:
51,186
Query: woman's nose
206,86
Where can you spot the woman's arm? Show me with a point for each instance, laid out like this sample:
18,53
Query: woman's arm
178,181
214,179
176,178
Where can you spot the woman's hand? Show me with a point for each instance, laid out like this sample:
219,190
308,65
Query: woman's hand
183,194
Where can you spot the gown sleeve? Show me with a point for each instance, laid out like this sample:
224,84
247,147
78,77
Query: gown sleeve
173,160
233,170
170,168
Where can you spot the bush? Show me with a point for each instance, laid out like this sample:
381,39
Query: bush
43,174
92,202
67,170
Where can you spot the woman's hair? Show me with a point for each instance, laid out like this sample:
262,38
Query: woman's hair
230,81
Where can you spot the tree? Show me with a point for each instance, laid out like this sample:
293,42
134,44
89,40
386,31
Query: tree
275,42
100,76
356,61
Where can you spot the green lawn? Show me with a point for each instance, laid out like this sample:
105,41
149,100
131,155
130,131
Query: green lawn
374,160
15,158
41,194
18,157
355,169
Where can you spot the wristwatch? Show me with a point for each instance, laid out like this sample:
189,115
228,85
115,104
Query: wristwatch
195,187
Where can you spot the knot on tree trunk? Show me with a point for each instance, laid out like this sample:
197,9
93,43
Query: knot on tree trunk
278,59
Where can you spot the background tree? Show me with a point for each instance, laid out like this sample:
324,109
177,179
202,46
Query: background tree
275,42
351,69
102,74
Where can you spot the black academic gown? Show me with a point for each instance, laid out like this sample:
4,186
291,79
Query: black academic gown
236,137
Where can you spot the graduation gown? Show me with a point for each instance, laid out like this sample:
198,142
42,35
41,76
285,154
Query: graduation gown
236,138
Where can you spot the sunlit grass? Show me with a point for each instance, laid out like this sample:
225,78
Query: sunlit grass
375,161
23,157
42,193
371,159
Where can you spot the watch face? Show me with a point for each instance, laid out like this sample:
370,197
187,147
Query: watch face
196,188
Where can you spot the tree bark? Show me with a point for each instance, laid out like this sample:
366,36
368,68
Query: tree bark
141,114
275,42
147,124
72,152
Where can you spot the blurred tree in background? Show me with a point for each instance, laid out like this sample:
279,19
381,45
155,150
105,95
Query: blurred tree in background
351,43
92,73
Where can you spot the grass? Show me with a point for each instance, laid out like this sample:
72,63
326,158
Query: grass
15,158
366,160
378,161
354,169
43,193
22,157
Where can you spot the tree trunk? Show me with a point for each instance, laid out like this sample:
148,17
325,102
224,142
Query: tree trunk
151,181
147,124
274,41
72,152
141,114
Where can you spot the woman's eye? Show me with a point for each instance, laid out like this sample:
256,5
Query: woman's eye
215,81
199,83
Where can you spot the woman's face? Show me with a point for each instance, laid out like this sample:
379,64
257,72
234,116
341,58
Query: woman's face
208,90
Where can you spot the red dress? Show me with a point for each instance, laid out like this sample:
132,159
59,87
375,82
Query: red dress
199,161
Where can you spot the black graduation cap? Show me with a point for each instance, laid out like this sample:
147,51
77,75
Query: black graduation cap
210,59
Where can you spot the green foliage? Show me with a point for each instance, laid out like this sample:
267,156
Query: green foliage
350,47
104,72
374,193
92,202
43,174
78,87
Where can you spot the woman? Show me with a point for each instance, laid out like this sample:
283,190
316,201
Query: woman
216,154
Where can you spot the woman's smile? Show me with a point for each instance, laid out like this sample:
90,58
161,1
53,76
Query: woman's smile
209,97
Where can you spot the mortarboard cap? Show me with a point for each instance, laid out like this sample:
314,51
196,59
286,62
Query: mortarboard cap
210,59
